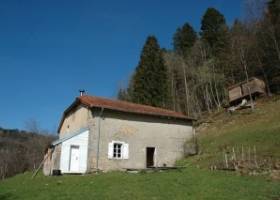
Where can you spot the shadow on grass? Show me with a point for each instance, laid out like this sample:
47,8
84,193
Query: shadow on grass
7,196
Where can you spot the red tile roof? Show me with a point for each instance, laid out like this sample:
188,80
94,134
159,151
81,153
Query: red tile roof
123,106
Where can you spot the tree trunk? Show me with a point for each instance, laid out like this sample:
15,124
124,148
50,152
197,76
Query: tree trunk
216,89
207,100
243,61
186,90
265,76
173,92
275,43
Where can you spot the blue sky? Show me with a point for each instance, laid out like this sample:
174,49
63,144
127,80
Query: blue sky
49,49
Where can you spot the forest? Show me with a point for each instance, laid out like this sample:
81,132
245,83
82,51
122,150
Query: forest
194,75
21,151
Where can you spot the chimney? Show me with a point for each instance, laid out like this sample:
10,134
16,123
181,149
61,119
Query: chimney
82,92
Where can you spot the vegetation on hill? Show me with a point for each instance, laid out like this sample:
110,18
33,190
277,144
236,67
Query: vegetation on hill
257,133
260,128
201,66
21,151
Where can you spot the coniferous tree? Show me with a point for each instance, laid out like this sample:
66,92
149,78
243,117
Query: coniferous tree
184,39
274,16
274,11
269,44
123,94
215,34
214,30
150,81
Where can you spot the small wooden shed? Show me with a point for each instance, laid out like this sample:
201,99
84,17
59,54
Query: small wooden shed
242,90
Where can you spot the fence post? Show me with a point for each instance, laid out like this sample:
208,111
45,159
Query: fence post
226,160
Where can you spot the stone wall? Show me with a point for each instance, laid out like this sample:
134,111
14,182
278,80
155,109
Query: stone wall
166,135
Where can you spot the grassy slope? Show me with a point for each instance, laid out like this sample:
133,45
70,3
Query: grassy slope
260,129
191,183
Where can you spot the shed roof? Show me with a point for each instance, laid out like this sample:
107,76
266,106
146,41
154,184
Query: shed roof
243,82
123,106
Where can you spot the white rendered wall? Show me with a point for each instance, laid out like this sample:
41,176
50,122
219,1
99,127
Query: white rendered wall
80,140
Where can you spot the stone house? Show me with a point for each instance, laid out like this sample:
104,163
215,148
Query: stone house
102,134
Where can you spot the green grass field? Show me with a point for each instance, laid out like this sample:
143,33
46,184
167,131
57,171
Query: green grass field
260,128
190,183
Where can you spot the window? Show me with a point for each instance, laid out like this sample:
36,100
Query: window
117,152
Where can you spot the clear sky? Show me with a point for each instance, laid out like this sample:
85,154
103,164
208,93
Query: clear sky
49,49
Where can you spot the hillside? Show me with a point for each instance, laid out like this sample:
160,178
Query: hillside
257,133
20,151
260,129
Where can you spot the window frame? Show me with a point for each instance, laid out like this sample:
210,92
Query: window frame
124,150
118,155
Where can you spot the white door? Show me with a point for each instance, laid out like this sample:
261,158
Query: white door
74,159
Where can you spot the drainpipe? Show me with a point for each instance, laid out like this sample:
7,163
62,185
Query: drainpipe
98,138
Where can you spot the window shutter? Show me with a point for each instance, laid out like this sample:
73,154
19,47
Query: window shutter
110,150
125,151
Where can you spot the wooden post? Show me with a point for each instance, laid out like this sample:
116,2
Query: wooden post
255,157
226,160
41,164
249,154
242,153
233,154
237,152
